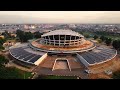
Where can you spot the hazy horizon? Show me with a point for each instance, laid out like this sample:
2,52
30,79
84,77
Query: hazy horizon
80,17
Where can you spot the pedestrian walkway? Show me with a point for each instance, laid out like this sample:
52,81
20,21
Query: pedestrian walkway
76,72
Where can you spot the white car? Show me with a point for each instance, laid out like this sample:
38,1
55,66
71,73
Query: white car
87,71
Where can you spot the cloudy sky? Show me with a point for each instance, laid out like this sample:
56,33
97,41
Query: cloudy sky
60,17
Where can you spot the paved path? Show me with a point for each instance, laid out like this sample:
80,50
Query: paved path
76,72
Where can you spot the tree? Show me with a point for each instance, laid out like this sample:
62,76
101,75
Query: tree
108,41
102,38
95,37
81,32
6,34
27,36
24,36
116,44
116,75
3,60
1,43
87,35
20,35
1,47
99,40
37,34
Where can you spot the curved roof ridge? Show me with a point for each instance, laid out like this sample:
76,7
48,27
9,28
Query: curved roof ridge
62,32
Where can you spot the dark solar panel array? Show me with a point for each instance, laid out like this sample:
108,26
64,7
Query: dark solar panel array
35,58
21,54
95,57
29,57
87,58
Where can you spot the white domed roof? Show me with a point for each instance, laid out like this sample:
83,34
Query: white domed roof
62,32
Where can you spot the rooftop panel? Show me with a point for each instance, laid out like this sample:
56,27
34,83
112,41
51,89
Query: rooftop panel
62,32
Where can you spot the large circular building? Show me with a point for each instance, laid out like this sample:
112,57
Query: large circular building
63,38
62,49
67,41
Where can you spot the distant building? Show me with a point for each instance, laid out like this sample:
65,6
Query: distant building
2,36
14,35
9,43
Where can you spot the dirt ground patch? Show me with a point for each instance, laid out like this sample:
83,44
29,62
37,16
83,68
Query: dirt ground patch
99,76
61,64
85,45
99,70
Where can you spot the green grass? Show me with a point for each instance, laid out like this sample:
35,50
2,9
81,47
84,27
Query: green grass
90,33
113,37
56,77
116,75
27,75
11,73
3,60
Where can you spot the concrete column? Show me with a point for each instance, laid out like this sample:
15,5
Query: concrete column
74,41
80,40
70,39
45,40
49,40
54,40
59,40
64,39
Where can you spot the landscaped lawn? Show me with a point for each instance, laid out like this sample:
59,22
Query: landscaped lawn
11,73
116,75
114,37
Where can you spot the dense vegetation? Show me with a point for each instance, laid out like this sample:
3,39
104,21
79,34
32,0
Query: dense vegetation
116,44
108,41
37,34
11,73
104,33
8,35
95,37
116,75
1,43
102,36
25,36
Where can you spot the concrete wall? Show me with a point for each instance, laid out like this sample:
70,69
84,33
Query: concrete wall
40,59
61,59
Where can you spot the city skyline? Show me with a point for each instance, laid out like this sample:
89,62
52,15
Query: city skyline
98,17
